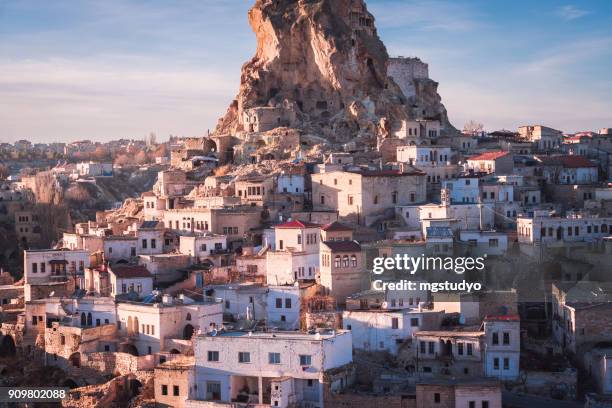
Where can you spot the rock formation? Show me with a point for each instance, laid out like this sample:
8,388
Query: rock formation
321,67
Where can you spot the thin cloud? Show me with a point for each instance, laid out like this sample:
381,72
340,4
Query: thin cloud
570,12
424,15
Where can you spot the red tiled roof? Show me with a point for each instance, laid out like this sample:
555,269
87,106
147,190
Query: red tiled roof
503,318
128,272
297,224
489,155
568,161
336,226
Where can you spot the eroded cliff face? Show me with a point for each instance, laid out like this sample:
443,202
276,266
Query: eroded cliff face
323,61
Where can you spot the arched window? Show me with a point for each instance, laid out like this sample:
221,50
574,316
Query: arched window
83,320
188,316
89,319
345,261
136,325
604,228
337,261
353,260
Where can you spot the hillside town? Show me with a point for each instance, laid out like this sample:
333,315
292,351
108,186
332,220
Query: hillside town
234,268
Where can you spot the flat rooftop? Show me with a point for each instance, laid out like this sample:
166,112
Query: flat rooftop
281,335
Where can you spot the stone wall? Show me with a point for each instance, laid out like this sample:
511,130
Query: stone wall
331,320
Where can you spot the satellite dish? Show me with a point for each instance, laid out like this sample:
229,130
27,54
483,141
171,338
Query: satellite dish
52,293
213,333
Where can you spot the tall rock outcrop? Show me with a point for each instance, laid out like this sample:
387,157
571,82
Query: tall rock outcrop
321,67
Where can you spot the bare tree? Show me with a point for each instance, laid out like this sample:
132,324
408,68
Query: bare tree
473,128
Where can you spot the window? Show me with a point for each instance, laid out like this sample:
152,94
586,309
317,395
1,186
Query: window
495,338
470,349
34,267
506,338
414,322
437,397
43,267
375,199
472,404
337,259
422,346
144,244
353,260
394,323
153,244
485,404
274,358
431,346
493,243
244,357
213,355
227,304
460,349
305,359
506,363
288,303
299,239
279,303
175,390
496,363
164,389
427,369
213,390
350,200
345,261
280,244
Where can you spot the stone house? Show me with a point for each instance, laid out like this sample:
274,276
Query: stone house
277,369
365,196
128,279
503,346
152,326
387,329
174,382
498,162
342,271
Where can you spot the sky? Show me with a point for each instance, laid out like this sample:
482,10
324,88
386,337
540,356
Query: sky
103,70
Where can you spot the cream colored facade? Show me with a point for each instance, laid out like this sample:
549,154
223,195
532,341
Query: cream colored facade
367,196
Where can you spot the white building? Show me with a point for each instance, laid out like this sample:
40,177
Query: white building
498,162
202,246
433,160
120,248
485,242
503,346
132,278
290,183
569,170
462,189
241,300
47,264
240,366
387,329
574,228
92,169
152,326
283,307
150,236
